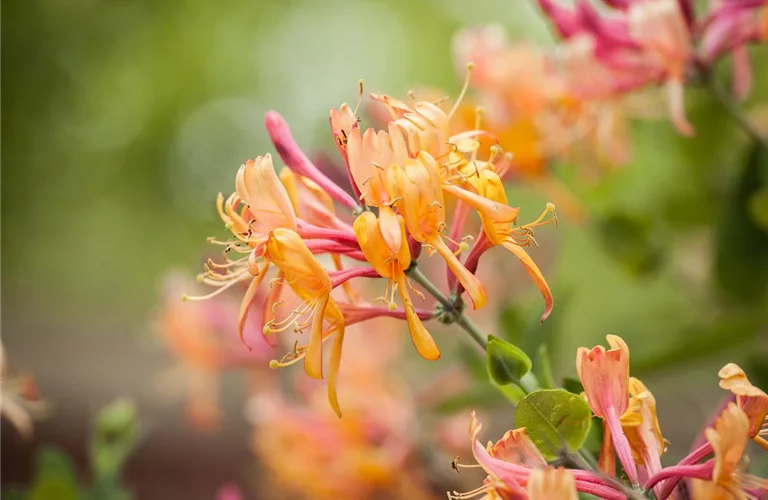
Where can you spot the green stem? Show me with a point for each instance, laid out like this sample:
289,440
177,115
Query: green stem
450,308
731,106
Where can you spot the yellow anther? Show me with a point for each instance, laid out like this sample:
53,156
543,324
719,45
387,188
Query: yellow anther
391,306
229,225
274,364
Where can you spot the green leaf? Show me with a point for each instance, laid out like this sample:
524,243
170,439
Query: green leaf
507,364
54,477
741,255
555,420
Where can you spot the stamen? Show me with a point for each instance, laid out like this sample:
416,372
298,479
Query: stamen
377,166
412,97
481,490
478,122
214,293
414,290
470,67
359,96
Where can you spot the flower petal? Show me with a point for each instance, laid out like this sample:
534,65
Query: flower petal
422,340
535,274
313,360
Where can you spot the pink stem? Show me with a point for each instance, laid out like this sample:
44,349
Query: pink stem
309,231
356,314
340,277
600,490
330,246
693,458
294,157
700,471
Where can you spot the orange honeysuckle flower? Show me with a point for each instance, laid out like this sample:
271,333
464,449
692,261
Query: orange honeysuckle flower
259,205
392,265
751,399
660,29
426,128
641,426
312,285
729,440
605,377
546,484
369,154
488,184
266,202
416,191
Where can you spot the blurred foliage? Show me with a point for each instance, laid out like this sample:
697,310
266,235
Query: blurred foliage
115,435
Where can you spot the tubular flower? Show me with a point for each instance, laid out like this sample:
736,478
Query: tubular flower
728,439
426,130
508,479
312,285
369,155
647,42
641,426
605,377
487,183
416,190
392,265
752,400
259,205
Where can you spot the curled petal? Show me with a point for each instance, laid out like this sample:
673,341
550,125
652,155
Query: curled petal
497,212
333,369
533,271
422,340
248,300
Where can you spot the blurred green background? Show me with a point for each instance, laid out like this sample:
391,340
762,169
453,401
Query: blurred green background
122,120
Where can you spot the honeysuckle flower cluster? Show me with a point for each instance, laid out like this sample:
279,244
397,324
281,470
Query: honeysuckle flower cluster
572,101
717,469
20,403
648,42
401,177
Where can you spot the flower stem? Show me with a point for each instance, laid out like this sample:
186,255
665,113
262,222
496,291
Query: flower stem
729,104
449,307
